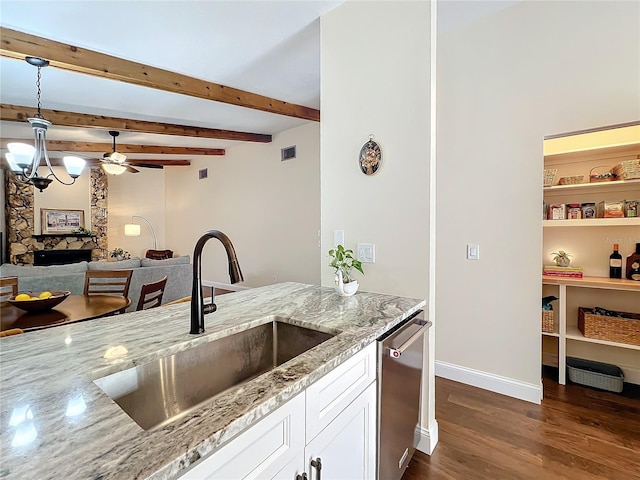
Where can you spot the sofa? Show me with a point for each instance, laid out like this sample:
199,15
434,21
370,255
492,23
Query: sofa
179,272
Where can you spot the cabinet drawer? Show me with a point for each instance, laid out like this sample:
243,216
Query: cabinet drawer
336,390
261,451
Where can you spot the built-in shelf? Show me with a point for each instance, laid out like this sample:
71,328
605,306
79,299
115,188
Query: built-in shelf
62,235
574,333
594,282
590,187
551,334
594,222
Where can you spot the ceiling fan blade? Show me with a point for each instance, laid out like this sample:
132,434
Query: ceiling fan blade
149,165
130,169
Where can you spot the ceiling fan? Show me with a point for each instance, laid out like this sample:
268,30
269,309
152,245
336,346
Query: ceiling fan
114,162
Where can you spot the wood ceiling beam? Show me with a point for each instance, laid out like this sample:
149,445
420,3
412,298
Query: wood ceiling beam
17,113
94,162
18,45
66,146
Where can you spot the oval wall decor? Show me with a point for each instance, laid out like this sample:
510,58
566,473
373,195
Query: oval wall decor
370,157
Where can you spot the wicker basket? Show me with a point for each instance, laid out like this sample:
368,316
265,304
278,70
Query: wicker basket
600,176
627,169
549,176
573,180
547,321
595,374
625,329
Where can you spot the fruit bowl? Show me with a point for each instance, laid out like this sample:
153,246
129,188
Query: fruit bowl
36,304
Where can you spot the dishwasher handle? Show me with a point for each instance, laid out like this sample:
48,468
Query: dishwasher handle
397,352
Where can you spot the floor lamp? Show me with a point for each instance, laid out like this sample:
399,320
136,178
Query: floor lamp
133,229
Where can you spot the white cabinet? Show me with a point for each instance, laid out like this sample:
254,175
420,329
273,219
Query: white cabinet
261,451
347,446
334,419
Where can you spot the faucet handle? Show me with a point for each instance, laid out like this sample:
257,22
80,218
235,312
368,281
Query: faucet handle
209,308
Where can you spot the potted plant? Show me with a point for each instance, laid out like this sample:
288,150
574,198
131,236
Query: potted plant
343,263
119,254
561,258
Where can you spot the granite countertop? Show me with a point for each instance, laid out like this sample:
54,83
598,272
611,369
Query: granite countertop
56,423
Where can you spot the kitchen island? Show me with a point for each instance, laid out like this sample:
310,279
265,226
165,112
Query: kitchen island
57,423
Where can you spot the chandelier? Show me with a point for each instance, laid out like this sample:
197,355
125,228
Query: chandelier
24,159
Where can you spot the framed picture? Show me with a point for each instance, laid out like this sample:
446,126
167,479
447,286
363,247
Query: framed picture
60,221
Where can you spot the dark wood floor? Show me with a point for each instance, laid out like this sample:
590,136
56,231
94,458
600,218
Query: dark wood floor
577,433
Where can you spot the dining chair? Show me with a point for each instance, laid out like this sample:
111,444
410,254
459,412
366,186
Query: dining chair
151,294
8,288
107,282
11,331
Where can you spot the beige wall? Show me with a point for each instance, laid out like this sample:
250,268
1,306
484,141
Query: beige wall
57,195
376,80
143,194
269,209
534,69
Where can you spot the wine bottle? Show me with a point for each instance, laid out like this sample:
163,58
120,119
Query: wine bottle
633,265
615,263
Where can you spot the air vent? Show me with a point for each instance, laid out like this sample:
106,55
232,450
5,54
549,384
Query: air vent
288,153
202,174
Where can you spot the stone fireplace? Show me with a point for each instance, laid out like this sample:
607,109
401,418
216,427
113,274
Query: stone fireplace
22,242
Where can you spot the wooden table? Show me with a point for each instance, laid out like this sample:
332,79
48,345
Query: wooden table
75,308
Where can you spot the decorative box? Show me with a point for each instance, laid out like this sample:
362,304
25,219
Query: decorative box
588,210
610,209
574,211
557,211
631,208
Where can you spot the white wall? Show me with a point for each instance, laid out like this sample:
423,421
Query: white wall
142,194
59,196
376,80
269,209
504,82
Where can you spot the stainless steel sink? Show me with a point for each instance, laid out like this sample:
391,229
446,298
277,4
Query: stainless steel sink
159,392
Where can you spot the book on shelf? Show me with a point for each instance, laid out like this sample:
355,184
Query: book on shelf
566,272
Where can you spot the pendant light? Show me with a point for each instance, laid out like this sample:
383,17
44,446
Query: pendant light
24,159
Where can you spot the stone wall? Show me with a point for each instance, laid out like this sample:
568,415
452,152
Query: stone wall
20,221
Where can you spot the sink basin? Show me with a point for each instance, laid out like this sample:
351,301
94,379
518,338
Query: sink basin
159,392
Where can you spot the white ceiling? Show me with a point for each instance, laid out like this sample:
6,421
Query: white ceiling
268,47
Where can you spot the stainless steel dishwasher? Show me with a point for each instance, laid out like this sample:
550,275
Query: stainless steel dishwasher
399,380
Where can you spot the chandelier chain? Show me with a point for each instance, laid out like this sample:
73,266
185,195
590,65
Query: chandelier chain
39,114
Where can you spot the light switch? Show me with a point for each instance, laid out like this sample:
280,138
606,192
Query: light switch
338,238
473,251
366,252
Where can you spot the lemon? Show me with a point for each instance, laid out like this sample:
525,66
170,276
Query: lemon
22,297
44,295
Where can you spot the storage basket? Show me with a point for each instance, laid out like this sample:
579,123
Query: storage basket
624,329
627,169
595,374
549,176
547,321
600,177
573,180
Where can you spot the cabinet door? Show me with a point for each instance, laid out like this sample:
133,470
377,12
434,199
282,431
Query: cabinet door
332,393
347,446
262,451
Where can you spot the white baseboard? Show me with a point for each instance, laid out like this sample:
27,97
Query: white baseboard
489,381
428,438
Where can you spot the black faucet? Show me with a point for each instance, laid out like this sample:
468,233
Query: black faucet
198,309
